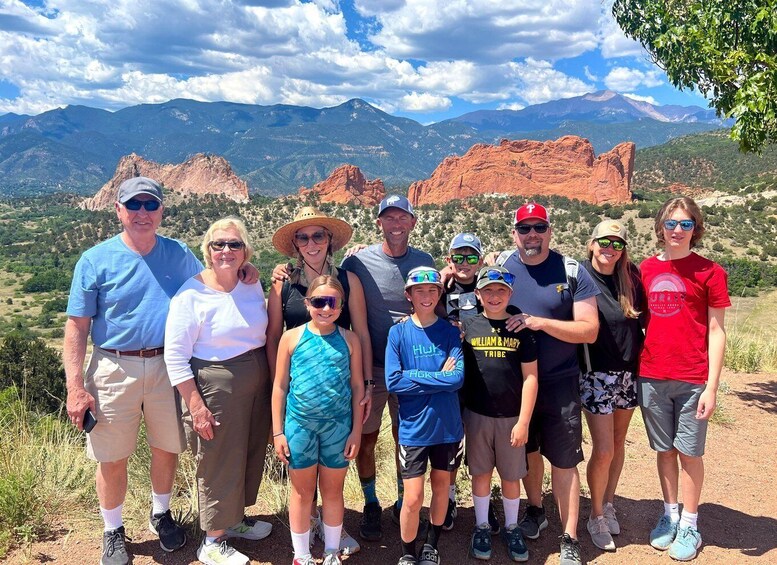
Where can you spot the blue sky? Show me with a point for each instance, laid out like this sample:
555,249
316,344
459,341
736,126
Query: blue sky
423,59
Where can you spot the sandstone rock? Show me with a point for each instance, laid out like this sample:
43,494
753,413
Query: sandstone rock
565,167
201,174
347,184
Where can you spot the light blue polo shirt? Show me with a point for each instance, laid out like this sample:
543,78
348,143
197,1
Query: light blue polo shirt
127,295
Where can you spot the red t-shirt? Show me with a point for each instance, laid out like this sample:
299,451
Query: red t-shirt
678,295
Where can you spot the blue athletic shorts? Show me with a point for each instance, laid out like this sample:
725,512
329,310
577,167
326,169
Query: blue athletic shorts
314,442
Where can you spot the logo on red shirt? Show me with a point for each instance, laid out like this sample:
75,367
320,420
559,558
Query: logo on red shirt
666,295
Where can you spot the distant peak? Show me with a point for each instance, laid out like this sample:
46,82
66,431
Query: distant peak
600,96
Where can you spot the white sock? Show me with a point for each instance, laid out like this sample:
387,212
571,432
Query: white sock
672,510
511,506
689,519
160,502
301,544
332,537
481,509
452,492
112,518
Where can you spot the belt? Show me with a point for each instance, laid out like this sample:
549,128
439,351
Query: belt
143,353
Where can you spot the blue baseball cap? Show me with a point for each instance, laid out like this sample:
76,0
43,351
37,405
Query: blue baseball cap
466,240
396,201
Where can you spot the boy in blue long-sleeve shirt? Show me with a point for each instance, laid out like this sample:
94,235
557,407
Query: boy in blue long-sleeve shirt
424,368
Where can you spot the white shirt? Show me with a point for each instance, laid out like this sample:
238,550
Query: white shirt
212,325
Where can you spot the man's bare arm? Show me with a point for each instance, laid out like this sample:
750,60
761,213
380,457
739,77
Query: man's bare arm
78,400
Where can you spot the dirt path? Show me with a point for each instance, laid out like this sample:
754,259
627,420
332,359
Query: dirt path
738,515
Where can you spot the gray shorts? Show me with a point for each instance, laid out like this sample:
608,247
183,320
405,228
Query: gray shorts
669,412
488,447
381,396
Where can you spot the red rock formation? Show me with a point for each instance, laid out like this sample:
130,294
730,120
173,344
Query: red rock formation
566,167
201,174
347,184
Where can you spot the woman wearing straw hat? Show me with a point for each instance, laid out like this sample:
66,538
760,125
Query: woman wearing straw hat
312,238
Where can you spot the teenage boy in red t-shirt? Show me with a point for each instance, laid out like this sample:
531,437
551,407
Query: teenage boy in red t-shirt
680,367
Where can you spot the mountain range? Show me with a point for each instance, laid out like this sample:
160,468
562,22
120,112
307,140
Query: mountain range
276,149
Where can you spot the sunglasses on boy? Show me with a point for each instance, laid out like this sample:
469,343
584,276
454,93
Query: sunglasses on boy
425,276
523,229
470,259
323,301
685,225
495,275
617,245
219,245
318,238
134,205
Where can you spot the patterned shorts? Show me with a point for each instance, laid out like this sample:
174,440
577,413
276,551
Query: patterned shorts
313,442
604,392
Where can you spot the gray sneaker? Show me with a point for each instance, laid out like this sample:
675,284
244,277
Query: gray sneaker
600,533
533,522
612,520
570,551
114,548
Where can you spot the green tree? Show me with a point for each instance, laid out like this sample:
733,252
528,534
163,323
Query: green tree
34,368
727,50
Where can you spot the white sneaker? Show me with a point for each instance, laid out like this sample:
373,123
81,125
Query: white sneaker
331,559
600,533
248,528
348,545
220,553
612,521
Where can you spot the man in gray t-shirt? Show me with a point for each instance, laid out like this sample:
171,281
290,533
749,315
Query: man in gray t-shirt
382,269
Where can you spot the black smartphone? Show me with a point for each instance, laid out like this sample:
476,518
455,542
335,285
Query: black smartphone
89,421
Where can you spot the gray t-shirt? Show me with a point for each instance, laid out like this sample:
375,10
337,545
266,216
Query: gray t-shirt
383,278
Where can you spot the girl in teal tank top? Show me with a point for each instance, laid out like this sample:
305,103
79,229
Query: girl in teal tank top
317,390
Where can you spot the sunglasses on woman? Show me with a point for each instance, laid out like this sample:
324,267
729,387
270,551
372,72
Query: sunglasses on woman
523,229
318,238
617,245
425,276
470,259
685,225
134,205
220,245
323,301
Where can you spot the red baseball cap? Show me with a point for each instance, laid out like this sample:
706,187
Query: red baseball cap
531,210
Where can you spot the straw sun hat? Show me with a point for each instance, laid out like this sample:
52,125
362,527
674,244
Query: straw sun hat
283,238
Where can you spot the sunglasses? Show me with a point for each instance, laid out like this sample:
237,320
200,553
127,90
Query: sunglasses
470,259
323,301
220,245
685,225
425,276
494,275
134,205
616,245
523,229
303,239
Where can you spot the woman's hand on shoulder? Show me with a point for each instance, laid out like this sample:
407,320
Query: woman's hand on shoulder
281,272
249,274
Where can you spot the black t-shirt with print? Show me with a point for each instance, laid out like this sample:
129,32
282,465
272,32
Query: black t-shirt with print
461,302
493,379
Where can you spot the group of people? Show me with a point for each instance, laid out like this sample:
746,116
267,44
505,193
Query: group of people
507,348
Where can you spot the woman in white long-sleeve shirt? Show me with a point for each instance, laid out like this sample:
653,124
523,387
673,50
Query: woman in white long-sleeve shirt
214,351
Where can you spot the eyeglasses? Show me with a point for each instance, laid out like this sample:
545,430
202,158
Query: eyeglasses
425,276
470,259
303,239
134,205
323,301
523,229
685,225
495,275
220,245
616,245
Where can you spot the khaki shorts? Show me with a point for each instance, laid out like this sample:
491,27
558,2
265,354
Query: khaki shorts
488,447
381,396
123,389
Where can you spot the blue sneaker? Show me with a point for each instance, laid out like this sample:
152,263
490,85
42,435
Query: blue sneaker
686,543
516,546
662,536
480,545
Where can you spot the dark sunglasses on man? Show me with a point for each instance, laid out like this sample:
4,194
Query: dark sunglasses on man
685,225
133,205
524,229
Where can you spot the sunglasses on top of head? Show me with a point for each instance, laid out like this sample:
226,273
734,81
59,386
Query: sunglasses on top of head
232,245
524,229
319,237
496,275
426,276
323,301
685,225
134,205
616,244
460,259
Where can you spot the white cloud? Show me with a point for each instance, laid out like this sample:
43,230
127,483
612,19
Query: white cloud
511,106
424,102
612,41
590,75
638,98
624,79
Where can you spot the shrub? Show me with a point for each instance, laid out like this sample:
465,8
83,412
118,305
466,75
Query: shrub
35,369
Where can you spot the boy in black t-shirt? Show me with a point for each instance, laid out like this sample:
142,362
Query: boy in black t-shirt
500,388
